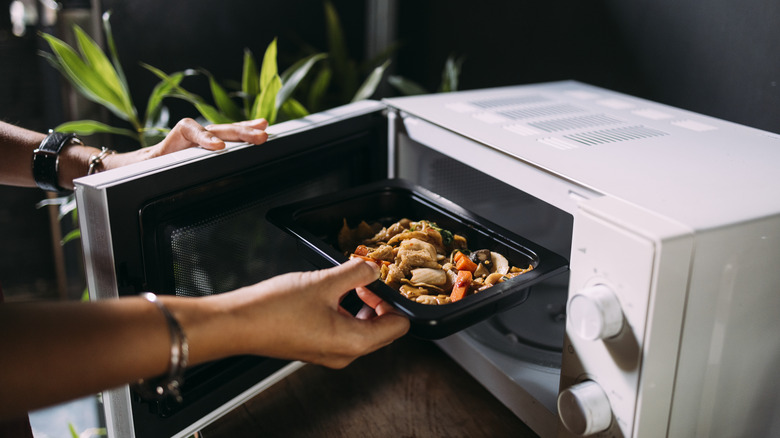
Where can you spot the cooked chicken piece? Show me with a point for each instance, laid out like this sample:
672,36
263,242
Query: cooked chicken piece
428,235
383,252
394,276
415,253
418,245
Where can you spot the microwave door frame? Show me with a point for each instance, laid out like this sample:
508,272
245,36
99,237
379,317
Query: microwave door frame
110,204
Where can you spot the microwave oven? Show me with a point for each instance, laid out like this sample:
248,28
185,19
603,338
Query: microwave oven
664,324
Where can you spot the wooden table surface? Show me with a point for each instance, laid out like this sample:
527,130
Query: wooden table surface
408,389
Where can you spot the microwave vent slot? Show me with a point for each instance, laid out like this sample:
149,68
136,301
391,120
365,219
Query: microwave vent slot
558,143
582,122
540,111
488,104
615,135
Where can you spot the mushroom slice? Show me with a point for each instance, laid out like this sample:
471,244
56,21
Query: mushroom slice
482,256
500,263
429,276
494,278
481,271
427,288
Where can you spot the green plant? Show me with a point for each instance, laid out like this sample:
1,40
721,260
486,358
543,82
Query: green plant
102,80
342,79
335,80
91,432
450,77
264,93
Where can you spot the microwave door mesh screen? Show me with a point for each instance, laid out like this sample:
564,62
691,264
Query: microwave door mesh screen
226,253
235,248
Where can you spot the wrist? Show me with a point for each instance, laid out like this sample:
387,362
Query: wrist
46,163
206,324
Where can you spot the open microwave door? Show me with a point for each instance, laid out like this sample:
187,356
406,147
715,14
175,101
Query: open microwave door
193,223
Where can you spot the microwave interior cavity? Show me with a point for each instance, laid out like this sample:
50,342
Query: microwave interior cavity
534,331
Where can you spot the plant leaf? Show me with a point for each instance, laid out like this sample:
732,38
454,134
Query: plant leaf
450,74
250,79
369,85
83,78
336,45
89,127
97,60
72,235
345,71
292,109
267,101
223,101
207,111
319,89
407,87
160,91
269,70
210,113
293,76
112,50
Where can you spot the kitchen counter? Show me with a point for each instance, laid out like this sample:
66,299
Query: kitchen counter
407,389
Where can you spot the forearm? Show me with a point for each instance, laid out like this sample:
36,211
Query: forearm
53,352
18,145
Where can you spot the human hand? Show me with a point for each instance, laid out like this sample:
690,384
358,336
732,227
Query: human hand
188,133
298,316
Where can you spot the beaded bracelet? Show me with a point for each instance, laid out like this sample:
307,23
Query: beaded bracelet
169,385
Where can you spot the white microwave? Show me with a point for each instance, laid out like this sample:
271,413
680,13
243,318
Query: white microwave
664,324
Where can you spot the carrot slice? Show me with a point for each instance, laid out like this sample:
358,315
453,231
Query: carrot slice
464,263
461,287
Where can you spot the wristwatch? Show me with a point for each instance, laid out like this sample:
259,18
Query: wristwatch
46,159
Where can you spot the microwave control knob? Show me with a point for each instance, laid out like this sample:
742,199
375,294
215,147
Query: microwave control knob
584,408
594,313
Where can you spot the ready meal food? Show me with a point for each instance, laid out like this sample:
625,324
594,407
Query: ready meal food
424,262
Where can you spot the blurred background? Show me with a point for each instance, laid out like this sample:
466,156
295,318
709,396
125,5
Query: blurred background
720,58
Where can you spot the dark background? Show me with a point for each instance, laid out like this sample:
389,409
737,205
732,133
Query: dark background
720,58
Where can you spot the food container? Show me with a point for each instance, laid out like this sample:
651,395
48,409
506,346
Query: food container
316,223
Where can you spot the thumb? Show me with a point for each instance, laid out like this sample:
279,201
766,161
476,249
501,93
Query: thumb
348,276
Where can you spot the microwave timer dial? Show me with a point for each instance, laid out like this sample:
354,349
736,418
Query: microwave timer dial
594,313
584,408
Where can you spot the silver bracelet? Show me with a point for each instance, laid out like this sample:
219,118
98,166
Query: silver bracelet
96,160
169,385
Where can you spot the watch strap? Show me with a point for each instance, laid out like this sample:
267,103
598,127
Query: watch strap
46,159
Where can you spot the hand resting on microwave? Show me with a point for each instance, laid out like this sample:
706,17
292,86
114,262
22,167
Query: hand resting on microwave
73,158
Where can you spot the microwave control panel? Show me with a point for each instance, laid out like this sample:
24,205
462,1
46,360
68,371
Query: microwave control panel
609,292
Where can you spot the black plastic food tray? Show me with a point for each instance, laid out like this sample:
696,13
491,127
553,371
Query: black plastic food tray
316,223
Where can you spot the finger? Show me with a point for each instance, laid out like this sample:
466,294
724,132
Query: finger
385,308
348,276
249,131
256,123
368,297
383,329
188,132
235,132
365,312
